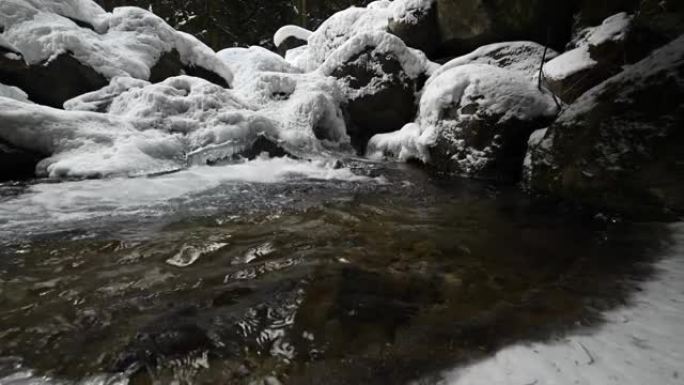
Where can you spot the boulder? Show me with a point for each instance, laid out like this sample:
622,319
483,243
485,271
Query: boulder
465,25
620,146
599,54
474,121
380,77
415,22
592,12
520,56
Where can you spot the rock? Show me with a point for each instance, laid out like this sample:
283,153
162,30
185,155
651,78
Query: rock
380,77
599,54
417,26
482,118
16,164
51,82
620,146
520,56
465,25
475,120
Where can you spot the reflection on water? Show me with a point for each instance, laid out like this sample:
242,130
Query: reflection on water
309,282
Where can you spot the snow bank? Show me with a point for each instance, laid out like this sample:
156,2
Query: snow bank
462,93
130,42
289,31
642,343
613,29
520,56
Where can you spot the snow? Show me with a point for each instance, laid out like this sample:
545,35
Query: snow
407,11
344,25
101,99
245,63
130,45
404,145
81,10
641,343
288,31
13,93
569,63
574,61
496,92
521,56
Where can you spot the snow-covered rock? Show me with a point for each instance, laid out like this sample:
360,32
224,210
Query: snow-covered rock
415,22
145,128
521,56
380,77
599,54
402,17
289,37
128,42
620,145
475,120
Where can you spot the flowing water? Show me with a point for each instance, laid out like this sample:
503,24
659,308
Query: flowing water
295,272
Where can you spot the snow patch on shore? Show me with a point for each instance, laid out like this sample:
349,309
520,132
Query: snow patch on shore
642,343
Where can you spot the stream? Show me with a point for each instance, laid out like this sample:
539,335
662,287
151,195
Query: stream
292,272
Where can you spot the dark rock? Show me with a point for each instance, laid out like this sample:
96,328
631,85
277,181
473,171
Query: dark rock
265,145
465,25
290,43
422,35
621,145
607,56
592,12
387,106
170,65
17,164
50,83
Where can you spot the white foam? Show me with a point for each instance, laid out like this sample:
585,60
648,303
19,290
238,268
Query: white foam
88,199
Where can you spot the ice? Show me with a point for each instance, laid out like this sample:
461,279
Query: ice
641,343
